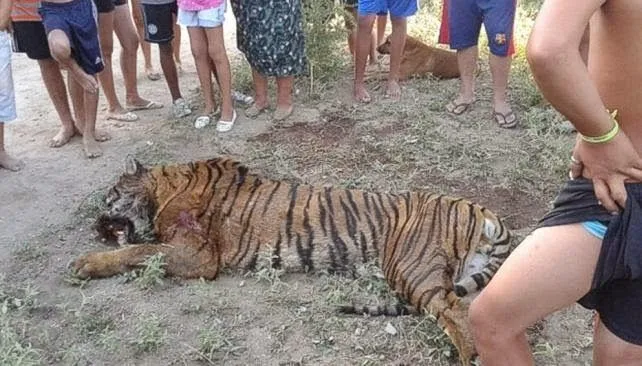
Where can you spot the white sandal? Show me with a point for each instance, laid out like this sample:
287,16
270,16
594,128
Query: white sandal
225,126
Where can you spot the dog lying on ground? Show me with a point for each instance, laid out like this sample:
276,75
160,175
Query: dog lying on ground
421,60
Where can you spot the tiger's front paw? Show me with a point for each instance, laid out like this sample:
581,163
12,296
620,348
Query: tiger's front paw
92,265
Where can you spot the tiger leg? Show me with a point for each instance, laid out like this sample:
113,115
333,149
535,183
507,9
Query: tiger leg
180,260
452,318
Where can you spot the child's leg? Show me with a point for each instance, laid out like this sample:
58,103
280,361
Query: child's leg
137,14
198,43
106,35
166,56
89,137
364,41
55,85
284,105
176,46
397,44
216,50
350,24
6,160
126,33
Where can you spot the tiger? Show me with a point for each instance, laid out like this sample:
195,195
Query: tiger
206,216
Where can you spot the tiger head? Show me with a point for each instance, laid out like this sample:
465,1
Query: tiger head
130,208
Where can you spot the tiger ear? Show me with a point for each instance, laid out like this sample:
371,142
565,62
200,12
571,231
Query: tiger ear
133,167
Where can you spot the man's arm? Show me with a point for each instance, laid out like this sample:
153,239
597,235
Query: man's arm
5,14
556,63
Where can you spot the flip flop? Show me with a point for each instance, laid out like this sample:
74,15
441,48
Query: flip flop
508,120
225,126
458,108
149,105
123,117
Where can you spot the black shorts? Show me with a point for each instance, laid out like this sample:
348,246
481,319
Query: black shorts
159,22
30,38
104,6
616,291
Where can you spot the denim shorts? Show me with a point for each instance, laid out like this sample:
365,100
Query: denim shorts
7,95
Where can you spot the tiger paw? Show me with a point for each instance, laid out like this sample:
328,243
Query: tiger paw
91,265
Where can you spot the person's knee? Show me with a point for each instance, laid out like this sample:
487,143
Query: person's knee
165,48
485,321
217,54
130,44
200,53
59,45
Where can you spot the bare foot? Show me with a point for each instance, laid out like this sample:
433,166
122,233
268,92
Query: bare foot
92,150
63,136
86,81
361,94
10,163
393,90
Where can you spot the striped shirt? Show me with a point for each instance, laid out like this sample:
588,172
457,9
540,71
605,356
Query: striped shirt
25,11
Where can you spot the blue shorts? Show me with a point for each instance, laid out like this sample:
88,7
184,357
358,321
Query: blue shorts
467,16
396,8
78,20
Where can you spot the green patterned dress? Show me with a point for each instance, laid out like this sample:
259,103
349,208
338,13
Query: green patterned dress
270,34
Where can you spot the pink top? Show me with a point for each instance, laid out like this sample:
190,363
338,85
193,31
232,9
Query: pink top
197,5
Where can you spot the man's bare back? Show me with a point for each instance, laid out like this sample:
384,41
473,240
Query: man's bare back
614,63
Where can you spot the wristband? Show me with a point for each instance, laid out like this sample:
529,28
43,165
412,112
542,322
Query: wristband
610,135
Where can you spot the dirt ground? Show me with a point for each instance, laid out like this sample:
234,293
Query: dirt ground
265,318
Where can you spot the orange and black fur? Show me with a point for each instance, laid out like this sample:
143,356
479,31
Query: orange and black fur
209,215
420,60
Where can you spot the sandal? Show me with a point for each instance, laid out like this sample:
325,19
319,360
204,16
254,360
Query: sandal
225,126
508,120
123,117
149,105
459,108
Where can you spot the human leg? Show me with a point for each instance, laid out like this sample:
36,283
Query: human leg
498,21
55,85
284,105
126,33
137,15
7,161
364,41
198,44
551,269
261,103
610,350
7,101
465,19
397,44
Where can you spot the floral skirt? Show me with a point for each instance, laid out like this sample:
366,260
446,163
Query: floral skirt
270,34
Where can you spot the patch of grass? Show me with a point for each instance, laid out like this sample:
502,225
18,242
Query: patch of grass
150,274
14,350
29,252
325,39
149,335
94,325
214,341
242,77
266,273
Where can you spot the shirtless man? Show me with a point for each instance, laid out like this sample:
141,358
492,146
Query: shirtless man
399,11
62,19
588,248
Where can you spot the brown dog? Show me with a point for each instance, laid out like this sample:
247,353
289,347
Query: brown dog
419,59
